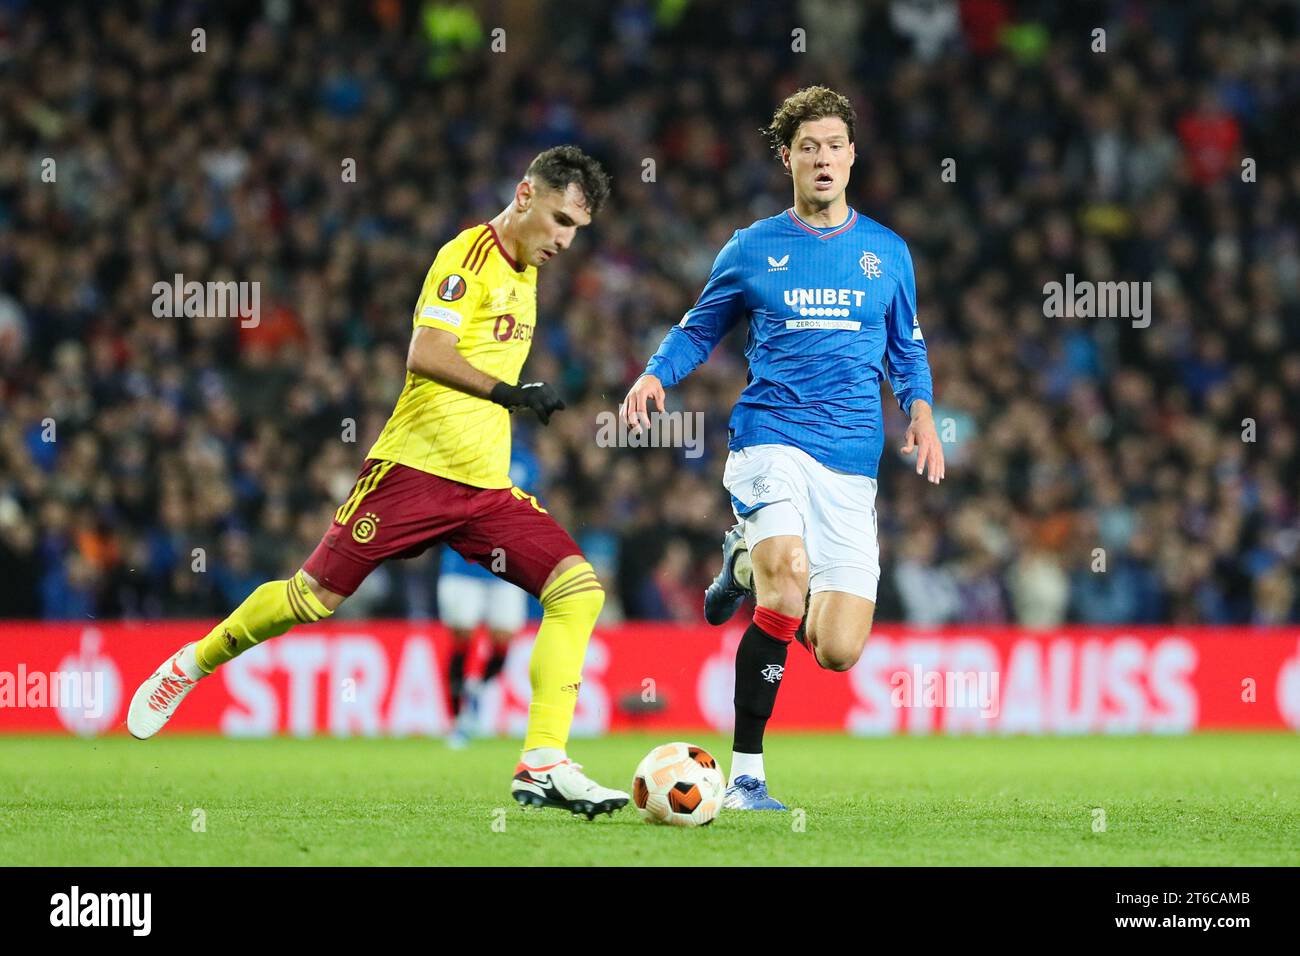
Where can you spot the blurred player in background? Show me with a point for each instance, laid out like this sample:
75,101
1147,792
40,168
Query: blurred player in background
439,472
470,594
830,298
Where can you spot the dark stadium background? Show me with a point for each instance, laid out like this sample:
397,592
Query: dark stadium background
1144,716
1070,434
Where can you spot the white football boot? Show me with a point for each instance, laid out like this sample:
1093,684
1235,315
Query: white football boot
158,697
564,786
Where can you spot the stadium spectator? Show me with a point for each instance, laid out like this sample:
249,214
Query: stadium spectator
325,151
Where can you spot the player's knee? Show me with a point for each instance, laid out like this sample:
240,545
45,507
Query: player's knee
593,601
579,598
322,593
838,652
783,600
835,660
779,590
582,608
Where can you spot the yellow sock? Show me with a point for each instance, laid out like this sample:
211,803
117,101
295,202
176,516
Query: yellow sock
570,606
269,611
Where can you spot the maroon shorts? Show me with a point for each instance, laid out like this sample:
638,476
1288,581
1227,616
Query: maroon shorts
400,512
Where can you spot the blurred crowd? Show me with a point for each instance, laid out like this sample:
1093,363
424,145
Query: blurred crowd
1097,471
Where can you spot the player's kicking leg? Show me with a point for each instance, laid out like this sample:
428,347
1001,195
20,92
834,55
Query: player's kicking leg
537,555
545,776
268,612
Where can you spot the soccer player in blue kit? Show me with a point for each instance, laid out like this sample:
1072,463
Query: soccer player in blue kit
830,298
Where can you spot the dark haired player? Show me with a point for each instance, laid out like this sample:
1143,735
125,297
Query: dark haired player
830,299
439,472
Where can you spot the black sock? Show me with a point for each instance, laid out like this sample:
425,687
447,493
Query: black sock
495,663
760,663
456,677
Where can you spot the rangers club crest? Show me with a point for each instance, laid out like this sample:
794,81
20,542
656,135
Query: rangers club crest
451,288
870,263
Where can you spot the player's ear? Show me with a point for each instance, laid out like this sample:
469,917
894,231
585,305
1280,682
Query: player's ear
853,153
785,157
523,195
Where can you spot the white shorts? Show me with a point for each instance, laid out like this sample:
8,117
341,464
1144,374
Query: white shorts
464,602
781,490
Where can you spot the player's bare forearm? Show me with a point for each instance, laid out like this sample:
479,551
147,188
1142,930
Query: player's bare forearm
433,354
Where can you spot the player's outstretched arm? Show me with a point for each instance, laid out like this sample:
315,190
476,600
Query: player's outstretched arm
433,354
688,343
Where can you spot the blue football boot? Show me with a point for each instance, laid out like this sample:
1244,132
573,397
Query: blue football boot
724,595
749,793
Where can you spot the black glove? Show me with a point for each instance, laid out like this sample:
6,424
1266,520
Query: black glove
535,396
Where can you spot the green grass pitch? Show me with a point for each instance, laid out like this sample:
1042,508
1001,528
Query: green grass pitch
1231,799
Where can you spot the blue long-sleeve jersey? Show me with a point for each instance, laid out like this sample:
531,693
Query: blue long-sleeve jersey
826,309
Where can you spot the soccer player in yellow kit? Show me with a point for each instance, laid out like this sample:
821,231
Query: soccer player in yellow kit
439,472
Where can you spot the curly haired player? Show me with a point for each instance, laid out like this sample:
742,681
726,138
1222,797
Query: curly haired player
830,299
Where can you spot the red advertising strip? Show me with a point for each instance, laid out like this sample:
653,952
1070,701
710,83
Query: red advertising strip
351,678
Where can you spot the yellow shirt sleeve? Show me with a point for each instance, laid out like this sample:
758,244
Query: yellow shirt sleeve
451,295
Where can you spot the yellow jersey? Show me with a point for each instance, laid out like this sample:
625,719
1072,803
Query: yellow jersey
479,294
